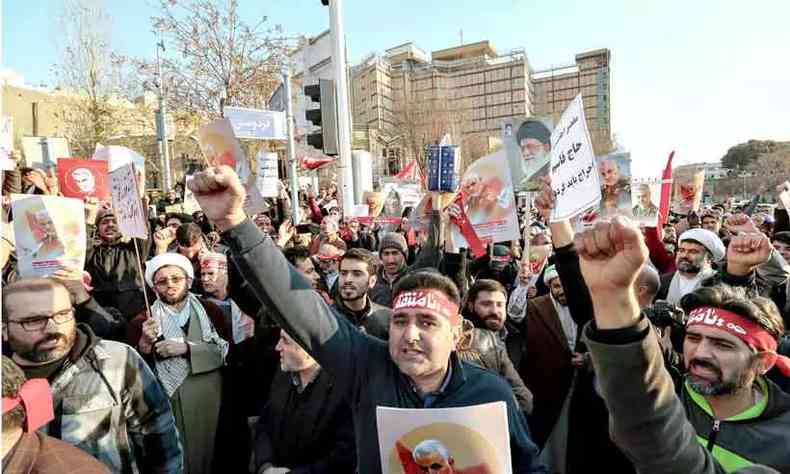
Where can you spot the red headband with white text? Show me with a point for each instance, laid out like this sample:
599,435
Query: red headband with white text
433,301
748,331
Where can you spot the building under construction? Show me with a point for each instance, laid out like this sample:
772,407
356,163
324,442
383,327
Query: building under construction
406,98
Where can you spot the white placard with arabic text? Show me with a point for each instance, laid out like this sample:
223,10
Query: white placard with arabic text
126,202
574,177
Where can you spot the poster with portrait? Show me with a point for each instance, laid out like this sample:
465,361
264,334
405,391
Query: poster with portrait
687,190
219,144
527,143
466,440
614,172
645,200
78,178
489,201
50,235
410,192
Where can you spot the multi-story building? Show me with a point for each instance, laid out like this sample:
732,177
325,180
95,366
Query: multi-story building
556,87
410,98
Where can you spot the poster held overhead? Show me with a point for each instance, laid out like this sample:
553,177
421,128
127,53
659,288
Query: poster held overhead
50,235
527,143
489,201
78,178
126,203
687,191
268,174
219,144
190,204
644,196
574,177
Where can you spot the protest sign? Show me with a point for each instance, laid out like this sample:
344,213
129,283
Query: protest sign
574,179
687,190
470,440
219,145
410,192
42,152
190,204
256,124
6,143
268,174
644,196
50,235
126,203
117,156
78,178
444,164
489,201
527,142
614,172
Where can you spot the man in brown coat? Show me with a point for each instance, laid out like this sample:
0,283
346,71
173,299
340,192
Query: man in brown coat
27,405
551,361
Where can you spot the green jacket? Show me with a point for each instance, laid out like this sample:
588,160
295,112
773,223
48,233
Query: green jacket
659,432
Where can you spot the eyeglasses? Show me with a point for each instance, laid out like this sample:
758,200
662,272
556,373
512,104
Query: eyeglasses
162,282
39,323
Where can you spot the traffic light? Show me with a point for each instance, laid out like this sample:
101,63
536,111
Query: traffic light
325,116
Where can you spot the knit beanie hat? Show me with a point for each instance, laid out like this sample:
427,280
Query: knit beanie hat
394,240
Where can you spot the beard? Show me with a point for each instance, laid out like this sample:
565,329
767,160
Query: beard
493,322
352,292
687,266
174,299
36,354
718,386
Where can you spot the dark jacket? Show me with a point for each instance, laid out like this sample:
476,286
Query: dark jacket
309,432
37,453
115,277
429,256
363,370
649,422
373,320
482,347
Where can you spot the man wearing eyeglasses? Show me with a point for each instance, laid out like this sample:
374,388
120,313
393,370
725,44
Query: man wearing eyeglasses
181,337
106,400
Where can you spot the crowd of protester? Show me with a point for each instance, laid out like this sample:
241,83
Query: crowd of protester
259,344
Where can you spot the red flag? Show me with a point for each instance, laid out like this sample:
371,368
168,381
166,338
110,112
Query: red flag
666,194
410,172
466,228
310,163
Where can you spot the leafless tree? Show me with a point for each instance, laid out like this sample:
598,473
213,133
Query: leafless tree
89,75
213,55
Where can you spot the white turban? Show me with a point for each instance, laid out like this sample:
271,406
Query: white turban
550,274
707,239
166,259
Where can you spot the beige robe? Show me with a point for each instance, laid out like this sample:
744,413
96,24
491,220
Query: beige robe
196,402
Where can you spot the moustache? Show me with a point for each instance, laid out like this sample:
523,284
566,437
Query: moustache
702,364
51,337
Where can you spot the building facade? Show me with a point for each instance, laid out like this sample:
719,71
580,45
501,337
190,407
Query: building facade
412,98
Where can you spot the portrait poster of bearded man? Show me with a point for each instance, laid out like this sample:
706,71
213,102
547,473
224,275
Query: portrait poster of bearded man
78,178
50,235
